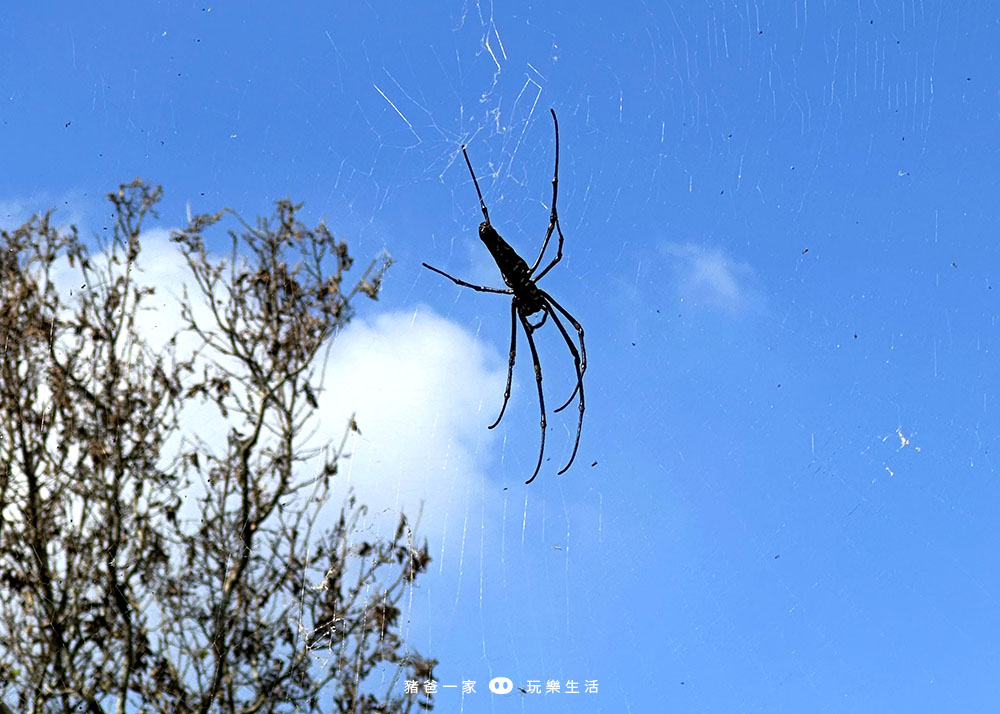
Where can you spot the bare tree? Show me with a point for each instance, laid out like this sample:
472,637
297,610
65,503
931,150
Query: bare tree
133,579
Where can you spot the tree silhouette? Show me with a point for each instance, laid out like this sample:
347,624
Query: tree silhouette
144,568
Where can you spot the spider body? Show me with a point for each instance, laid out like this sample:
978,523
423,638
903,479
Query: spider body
514,270
528,299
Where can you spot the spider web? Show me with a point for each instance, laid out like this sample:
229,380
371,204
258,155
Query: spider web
783,269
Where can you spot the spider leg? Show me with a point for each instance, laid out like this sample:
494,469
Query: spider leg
480,288
538,380
553,215
541,322
510,363
558,253
580,360
578,388
579,331
576,361
482,203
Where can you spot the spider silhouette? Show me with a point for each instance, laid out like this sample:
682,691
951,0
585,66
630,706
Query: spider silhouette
528,299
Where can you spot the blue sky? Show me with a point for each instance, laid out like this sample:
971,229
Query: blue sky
779,242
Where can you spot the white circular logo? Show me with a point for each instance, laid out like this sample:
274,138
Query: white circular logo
501,685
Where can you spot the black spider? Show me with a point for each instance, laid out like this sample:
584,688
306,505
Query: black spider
529,299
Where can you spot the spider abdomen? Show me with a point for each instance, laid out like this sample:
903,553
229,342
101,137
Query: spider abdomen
512,267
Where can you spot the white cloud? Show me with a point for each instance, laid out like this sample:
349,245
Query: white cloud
415,382
710,278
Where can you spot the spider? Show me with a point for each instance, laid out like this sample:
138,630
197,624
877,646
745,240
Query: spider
528,299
